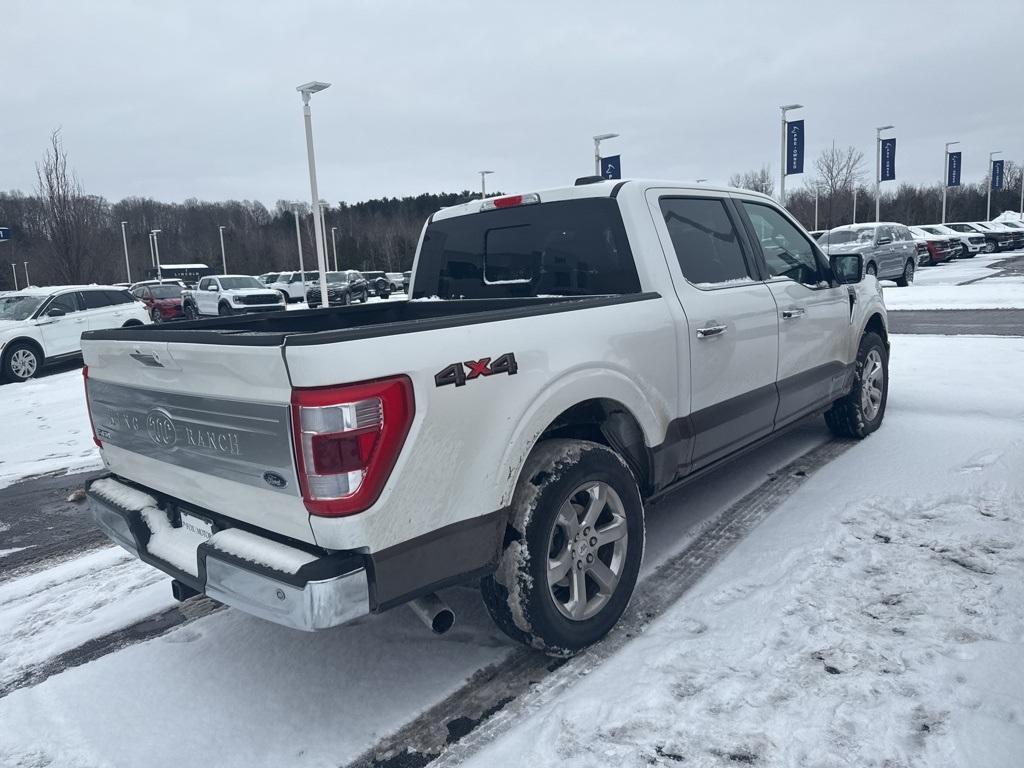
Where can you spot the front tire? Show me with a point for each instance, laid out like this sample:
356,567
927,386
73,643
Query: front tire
190,312
907,278
224,310
871,269
21,362
860,412
575,542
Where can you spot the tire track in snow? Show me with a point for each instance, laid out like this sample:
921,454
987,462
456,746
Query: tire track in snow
497,696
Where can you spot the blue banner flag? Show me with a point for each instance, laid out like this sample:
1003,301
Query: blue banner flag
953,170
5,234
997,174
794,147
610,167
888,170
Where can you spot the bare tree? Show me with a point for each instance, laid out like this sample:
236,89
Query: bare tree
758,180
70,219
838,170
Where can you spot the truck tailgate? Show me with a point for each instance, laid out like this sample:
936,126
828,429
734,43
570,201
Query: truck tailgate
212,419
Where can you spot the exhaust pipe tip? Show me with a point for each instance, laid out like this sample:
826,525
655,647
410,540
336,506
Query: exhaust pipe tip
434,612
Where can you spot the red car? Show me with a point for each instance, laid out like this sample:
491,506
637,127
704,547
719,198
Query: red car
162,300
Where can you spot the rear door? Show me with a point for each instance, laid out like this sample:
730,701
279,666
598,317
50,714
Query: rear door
730,353
813,310
98,309
62,335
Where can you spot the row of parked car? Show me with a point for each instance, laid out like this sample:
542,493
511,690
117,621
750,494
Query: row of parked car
343,287
894,251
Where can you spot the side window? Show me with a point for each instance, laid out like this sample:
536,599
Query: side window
705,241
787,252
65,301
296,277
203,284
884,235
119,297
94,299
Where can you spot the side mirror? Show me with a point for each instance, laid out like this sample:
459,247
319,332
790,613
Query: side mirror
848,268
883,241
55,312
211,287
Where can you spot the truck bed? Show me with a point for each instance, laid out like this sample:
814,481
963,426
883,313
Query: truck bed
323,326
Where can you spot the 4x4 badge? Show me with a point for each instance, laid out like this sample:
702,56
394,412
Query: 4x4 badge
459,373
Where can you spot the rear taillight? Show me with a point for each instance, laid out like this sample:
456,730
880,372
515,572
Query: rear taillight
347,440
88,406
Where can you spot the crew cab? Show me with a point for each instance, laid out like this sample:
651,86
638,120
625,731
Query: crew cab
228,295
39,326
565,356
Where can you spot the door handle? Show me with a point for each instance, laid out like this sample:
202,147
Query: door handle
711,330
793,314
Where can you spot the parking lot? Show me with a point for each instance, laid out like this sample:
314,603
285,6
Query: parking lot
845,541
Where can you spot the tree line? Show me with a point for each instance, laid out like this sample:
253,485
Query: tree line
840,172
68,236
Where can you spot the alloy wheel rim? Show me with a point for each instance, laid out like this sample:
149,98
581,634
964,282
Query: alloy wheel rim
24,363
872,383
586,553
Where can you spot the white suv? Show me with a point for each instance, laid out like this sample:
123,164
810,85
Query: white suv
43,325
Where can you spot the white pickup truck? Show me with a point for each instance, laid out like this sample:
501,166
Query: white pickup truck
228,295
566,355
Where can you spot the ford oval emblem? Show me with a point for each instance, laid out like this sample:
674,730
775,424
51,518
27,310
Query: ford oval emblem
274,480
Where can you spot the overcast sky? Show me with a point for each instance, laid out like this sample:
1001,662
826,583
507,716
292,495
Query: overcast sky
197,98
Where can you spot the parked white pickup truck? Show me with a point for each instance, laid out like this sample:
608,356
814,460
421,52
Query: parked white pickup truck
566,355
229,295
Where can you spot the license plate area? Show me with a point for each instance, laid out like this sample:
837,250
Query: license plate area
197,525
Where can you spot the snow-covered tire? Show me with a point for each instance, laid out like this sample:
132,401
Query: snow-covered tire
907,278
860,412
561,482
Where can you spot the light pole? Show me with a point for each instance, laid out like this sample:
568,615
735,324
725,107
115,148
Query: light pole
334,247
152,256
298,239
878,168
14,271
988,204
945,176
124,238
324,205
483,183
27,281
223,256
855,205
782,167
597,149
307,90
815,205
156,251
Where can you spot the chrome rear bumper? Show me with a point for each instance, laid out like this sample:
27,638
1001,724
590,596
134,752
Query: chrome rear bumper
289,586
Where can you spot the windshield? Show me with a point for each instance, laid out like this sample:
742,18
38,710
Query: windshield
19,307
837,236
336,277
564,248
267,279
236,283
166,291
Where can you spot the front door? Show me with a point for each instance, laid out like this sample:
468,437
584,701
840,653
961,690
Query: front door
731,324
813,310
206,299
62,335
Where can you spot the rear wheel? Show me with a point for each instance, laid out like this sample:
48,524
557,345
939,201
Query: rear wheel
21,362
907,278
155,316
860,412
575,542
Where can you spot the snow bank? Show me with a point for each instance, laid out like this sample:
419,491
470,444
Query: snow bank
993,293
50,424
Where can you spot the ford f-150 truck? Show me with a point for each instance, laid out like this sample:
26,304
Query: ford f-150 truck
565,356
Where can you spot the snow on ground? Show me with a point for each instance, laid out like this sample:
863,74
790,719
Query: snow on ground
993,293
49,612
46,425
876,618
